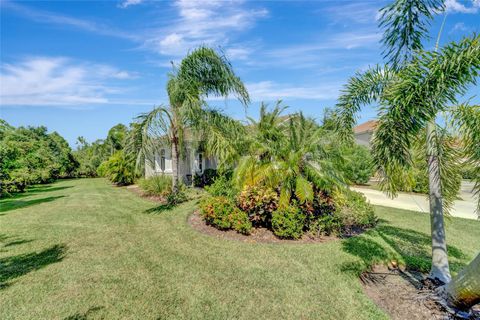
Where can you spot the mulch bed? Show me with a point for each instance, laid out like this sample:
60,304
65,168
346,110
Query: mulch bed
258,235
404,295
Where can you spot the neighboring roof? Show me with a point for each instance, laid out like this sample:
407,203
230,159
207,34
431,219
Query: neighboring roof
368,126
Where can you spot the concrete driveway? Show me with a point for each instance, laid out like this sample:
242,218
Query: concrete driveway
464,208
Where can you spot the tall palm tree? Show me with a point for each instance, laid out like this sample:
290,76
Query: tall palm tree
411,90
202,73
290,153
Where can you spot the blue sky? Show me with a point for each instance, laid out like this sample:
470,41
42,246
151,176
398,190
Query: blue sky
81,67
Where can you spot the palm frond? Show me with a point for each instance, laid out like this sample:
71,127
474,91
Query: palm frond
362,89
405,24
467,118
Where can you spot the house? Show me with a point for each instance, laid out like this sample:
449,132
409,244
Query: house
193,162
364,132
196,162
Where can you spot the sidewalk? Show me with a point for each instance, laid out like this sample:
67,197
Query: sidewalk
464,208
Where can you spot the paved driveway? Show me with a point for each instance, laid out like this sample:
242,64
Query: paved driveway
464,208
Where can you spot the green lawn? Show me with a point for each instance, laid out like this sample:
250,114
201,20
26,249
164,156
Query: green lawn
82,249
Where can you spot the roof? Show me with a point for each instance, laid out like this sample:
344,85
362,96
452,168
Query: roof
368,126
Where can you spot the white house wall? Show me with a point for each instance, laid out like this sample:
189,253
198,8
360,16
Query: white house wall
188,166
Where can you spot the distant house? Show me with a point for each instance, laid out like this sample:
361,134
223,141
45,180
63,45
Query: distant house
193,162
364,132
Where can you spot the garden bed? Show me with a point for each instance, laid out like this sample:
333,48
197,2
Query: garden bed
258,235
403,295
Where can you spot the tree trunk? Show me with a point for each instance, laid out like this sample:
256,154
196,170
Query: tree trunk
463,292
175,164
440,268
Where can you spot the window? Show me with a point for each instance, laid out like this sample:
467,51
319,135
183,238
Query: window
162,159
200,162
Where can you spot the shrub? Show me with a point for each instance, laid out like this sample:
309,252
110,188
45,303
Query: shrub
353,210
222,186
118,169
205,179
160,185
259,203
325,225
222,213
358,167
288,222
174,198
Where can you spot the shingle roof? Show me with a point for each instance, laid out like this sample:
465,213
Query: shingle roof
368,126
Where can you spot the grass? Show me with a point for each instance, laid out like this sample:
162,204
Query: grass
82,249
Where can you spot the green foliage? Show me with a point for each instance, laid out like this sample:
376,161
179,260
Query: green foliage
405,26
222,186
291,154
160,185
30,156
353,210
358,165
91,155
119,169
180,196
288,222
259,203
205,179
222,213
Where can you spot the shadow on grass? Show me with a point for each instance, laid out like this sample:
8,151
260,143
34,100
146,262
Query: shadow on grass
33,190
159,209
13,203
19,265
83,316
386,243
16,243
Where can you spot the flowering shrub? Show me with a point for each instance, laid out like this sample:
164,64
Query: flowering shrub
259,203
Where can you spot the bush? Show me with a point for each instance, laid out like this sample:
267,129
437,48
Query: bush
205,179
358,167
222,213
174,198
353,210
118,169
259,203
325,225
160,185
288,222
222,186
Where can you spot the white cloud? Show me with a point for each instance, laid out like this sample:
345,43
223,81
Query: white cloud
268,90
455,6
128,3
56,82
203,23
361,12
238,53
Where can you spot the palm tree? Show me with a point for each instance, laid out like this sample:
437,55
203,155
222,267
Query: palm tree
411,91
289,153
202,73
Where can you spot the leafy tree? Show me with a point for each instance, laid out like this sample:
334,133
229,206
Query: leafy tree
91,155
31,155
202,73
412,90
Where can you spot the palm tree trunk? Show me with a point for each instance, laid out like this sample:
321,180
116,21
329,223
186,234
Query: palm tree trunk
440,268
175,164
463,292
